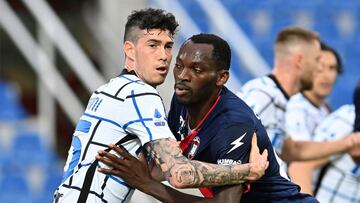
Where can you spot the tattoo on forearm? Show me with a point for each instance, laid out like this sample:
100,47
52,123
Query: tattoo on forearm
192,173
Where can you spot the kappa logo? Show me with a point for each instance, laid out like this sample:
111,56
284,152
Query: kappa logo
237,143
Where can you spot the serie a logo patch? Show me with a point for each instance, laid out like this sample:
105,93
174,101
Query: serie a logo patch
158,119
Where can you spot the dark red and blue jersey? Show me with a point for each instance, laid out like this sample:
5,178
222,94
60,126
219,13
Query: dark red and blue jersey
224,137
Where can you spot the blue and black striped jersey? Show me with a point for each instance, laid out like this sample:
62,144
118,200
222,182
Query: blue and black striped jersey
125,111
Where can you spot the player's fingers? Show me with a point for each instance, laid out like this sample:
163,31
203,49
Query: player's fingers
265,153
110,171
110,156
254,140
106,161
122,151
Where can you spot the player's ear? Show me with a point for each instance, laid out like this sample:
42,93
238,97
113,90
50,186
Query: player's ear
298,59
129,49
223,76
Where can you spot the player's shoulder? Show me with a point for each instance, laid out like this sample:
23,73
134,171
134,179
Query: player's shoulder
260,83
263,85
126,85
344,111
298,101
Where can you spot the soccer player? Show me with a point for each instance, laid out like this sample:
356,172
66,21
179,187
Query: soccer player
297,56
341,180
306,110
215,126
128,111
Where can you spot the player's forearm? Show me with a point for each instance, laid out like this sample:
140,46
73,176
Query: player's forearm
167,194
308,150
184,173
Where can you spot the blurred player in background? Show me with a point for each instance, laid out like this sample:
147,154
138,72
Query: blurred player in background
341,181
306,110
128,111
297,58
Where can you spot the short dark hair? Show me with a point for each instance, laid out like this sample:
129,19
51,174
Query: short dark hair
339,65
296,33
149,18
221,49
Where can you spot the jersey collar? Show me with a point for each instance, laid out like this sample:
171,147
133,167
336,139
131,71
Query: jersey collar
271,76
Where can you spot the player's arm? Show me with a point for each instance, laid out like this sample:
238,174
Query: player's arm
310,150
355,154
136,173
301,173
183,173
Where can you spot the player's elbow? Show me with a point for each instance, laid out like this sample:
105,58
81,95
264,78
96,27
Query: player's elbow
176,184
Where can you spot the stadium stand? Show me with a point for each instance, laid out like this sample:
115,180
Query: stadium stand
29,169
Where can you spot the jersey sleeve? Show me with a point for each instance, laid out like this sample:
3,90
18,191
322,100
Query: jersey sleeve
233,145
147,117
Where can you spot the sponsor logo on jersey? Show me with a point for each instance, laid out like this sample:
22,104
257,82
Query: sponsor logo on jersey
194,147
237,143
228,162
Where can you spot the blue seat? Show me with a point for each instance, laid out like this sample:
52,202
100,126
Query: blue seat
10,106
14,188
28,149
52,181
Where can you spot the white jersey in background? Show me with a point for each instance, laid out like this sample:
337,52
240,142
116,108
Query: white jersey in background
341,182
302,117
125,111
268,101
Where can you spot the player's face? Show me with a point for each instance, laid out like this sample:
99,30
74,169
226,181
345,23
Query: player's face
153,55
311,65
195,73
325,78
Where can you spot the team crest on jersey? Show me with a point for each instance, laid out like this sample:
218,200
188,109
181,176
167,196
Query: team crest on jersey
158,119
194,147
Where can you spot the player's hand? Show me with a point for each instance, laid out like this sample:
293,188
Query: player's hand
353,141
354,151
258,162
133,171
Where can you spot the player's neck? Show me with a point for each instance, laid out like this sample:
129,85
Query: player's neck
287,81
314,98
196,112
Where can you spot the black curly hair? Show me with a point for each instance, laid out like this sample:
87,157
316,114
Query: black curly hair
149,18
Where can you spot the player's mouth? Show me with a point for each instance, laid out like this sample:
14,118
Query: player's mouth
162,69
181,89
